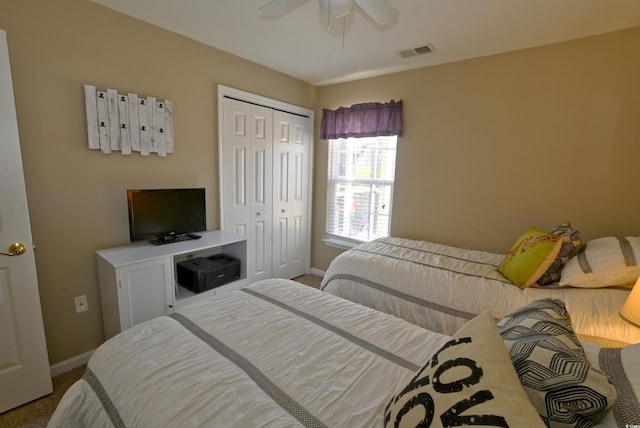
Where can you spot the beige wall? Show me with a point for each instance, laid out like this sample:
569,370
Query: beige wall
76,196
497,144
492,145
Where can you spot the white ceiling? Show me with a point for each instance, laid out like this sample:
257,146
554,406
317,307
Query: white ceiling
300,45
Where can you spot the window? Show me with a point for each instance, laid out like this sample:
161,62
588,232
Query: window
361,172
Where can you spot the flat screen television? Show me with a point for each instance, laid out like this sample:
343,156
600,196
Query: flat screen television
165,215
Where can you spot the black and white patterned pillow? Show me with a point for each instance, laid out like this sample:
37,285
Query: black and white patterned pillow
469,381
550,361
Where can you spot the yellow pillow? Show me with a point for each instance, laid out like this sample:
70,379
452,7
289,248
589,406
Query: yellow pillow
530,257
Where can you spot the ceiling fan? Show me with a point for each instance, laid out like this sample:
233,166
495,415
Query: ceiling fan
381,11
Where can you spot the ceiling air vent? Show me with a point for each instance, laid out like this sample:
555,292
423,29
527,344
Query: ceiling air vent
417,51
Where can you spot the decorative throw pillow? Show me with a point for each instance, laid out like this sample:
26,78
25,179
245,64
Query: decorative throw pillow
604,262
571,245
469,381
550,361
530,257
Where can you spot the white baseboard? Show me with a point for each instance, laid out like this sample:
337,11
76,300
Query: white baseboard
70,364
317,272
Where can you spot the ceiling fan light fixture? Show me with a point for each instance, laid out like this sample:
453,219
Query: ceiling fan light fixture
336,8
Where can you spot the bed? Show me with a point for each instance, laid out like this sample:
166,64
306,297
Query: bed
441,287
278,353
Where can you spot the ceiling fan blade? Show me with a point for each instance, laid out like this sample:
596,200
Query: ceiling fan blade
380,11
278,8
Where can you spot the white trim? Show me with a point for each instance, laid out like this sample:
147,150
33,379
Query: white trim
317,272
70,364
340,243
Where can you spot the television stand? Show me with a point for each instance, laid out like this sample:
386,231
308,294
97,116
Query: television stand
139,281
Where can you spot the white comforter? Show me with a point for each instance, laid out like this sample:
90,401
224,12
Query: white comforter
272,355
440,287
276,354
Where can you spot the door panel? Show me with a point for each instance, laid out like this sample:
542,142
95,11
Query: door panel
24,364
261,263
246,180
291,174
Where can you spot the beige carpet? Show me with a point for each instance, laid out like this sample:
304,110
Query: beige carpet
310,280
37,413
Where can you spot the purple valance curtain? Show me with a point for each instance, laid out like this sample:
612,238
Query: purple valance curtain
362,120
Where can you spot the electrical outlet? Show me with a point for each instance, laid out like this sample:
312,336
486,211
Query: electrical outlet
81,303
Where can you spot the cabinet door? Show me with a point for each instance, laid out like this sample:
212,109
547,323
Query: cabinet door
145,291
291,147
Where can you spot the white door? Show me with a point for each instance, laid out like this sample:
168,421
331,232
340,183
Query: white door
291,146
24,364
246,175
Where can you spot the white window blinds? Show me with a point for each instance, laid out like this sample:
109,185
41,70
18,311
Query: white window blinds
361,172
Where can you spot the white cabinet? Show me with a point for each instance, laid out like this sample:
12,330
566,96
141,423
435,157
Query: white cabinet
265,181
138,281
145,291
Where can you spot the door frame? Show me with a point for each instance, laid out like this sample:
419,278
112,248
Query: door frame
248,97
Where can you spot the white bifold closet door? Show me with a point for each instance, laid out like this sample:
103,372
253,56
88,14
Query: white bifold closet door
264,173
246,170
290,194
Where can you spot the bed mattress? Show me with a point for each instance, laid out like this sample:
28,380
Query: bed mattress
441,287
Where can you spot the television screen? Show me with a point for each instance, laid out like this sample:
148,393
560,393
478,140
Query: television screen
165,214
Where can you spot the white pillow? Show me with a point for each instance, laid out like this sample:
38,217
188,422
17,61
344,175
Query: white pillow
469,381
604,262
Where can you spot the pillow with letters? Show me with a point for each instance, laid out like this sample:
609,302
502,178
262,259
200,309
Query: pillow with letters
530,257
469,381
550,361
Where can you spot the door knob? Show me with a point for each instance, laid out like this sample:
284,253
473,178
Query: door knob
16,249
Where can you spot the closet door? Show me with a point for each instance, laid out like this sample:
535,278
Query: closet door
246,174
291,148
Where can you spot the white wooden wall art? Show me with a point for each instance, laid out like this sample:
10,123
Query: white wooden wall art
128,123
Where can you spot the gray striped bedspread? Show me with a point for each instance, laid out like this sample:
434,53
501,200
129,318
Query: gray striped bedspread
275,354
440,287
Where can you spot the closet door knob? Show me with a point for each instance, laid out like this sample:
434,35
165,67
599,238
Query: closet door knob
259,213
283,210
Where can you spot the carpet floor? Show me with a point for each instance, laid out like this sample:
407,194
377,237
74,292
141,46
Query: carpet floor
36,414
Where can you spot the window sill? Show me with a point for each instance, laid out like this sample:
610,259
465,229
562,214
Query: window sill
340,243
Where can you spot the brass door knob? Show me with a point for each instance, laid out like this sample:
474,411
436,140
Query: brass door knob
16,249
